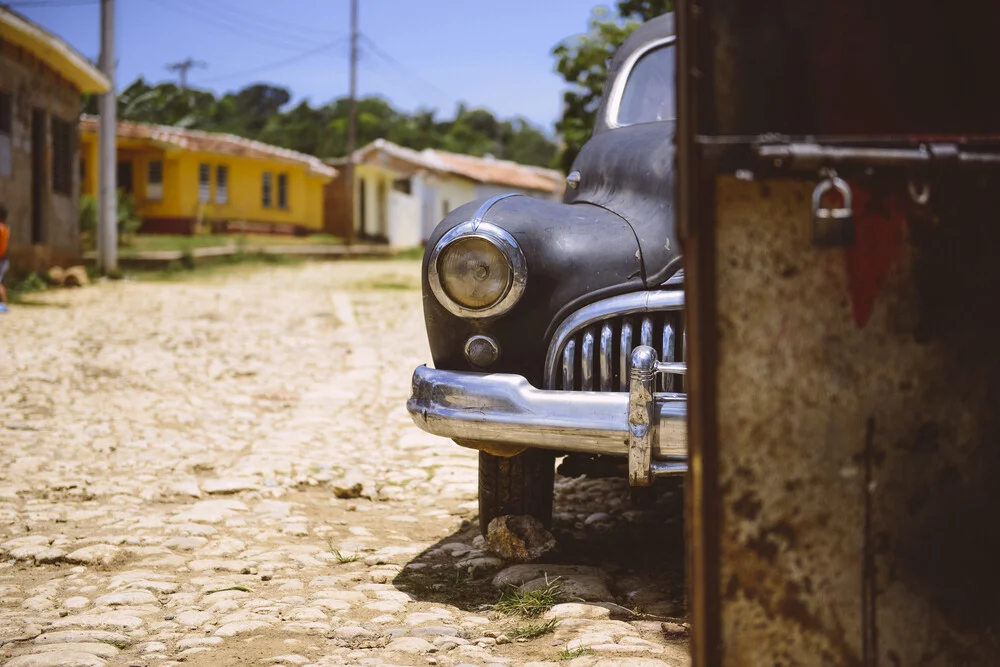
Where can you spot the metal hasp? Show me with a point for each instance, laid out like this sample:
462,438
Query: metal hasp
842,497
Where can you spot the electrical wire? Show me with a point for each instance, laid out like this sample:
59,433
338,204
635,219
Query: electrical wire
405,71
260,27
267,22
28,4
280,63
198,13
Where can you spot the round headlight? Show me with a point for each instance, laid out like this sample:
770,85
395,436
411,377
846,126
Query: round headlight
477,270
474,272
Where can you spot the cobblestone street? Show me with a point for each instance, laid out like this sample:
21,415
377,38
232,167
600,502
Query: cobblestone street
220,471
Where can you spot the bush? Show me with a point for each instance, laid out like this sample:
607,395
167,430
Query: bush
128,221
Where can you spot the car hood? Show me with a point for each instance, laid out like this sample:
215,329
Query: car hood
630,171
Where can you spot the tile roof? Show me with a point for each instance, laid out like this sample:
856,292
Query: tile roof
481,169
212,142
52,51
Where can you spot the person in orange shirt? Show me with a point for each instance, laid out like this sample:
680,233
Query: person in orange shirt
4,237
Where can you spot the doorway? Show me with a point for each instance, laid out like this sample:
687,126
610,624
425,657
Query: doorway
125,177
362,208
38,126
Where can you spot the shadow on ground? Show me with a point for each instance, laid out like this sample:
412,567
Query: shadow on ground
596,523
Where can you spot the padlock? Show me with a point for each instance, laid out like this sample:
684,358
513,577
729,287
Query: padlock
833,227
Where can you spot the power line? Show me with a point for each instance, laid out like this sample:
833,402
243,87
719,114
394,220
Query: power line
280,63
198,15
257,25
404,70
49,3
268,22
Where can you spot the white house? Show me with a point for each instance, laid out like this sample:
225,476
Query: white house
401,194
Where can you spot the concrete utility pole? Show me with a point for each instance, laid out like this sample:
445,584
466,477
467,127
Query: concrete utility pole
352,112
107,203
183,67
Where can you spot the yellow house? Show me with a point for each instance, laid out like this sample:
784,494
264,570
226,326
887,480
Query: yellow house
181,178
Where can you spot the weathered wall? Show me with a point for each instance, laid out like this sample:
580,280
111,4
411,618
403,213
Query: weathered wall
34,86
857,429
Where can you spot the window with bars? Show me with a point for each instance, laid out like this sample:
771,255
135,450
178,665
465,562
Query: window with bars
154,179
6,134
265,189
222,184
62,157
204,183
283,191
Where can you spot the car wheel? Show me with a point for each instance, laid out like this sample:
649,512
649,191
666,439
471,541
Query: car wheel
516,485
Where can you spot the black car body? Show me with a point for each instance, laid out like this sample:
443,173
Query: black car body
556,328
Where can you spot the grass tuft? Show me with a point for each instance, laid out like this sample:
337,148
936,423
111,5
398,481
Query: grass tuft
533,631
342,558
566,654
530,603
230,588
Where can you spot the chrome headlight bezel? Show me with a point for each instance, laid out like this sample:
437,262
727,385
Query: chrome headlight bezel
503,242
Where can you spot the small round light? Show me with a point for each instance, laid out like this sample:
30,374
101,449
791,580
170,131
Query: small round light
482,351
474,272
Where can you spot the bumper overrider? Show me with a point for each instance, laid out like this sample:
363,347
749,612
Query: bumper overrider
647,427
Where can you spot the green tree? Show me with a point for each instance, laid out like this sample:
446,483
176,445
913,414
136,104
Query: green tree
583,63
262,112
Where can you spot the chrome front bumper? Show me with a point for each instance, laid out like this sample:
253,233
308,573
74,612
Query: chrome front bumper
649,428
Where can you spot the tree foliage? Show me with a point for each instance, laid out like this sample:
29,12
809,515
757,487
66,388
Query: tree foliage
583,62
263,112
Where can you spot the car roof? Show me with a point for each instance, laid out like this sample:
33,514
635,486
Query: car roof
652,30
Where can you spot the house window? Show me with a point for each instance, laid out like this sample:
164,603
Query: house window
283,191
62,157
265,190
222,184
154,180
6,135
204,183
402,185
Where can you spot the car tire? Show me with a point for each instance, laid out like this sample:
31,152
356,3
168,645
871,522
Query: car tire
516,485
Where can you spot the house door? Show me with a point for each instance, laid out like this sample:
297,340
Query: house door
125,177
362,208
38,176
383,213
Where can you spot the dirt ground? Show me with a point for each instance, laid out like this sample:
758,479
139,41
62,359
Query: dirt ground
221,471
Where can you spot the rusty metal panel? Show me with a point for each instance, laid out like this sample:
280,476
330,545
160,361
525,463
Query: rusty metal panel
857,449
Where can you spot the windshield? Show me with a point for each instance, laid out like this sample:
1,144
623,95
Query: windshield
649,91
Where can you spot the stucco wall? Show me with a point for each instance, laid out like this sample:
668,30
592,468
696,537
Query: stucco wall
244,201
33,86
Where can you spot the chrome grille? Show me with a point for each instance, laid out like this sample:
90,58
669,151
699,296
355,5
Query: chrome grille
593,347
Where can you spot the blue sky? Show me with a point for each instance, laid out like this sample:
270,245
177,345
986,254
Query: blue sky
435,53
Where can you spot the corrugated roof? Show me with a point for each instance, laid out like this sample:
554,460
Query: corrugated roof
212,142
52,51
480,169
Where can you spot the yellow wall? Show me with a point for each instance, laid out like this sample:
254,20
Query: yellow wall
180,185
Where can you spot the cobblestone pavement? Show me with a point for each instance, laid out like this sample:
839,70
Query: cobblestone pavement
221,471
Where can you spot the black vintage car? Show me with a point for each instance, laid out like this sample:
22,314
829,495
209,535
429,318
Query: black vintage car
556,328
